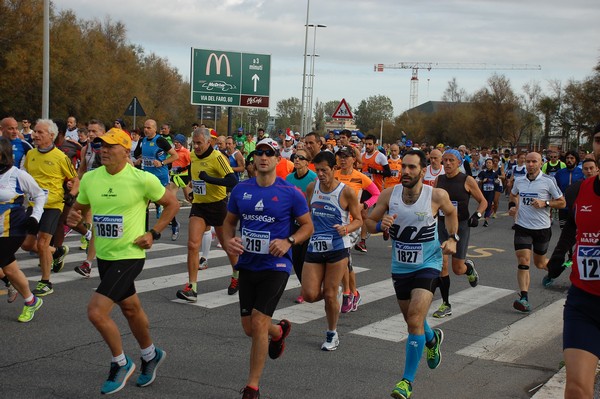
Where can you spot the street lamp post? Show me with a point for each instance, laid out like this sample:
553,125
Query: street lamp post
311,84
302,115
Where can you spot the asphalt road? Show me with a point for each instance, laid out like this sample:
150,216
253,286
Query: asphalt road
489,351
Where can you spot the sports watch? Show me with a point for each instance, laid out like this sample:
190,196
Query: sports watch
455,237
291,240
155,234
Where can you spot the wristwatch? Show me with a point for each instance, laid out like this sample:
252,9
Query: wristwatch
455,237
478,215
291,240
155,234
547,204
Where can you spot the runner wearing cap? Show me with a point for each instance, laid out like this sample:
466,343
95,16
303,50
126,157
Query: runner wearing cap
117,194
266,207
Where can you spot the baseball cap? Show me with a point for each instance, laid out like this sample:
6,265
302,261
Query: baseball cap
269,142
213,133
288,138
345,151
115,136
240,129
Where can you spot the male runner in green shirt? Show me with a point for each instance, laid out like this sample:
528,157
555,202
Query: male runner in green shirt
117,194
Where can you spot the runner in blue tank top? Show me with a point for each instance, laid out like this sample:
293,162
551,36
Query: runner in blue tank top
408,212
331,204
266,206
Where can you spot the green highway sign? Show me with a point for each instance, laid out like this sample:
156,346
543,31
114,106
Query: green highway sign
230,78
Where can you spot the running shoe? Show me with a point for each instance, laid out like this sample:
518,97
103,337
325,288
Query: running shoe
29,310
203,263
494,215
434,355
85,269
84,243
522,305
148,373
356,301
250,393
187,294
175,234
59,262
233,286
117,377
347,303
300,299
332,341
276,347
474,276
11,293
485,223
361,246
443,311
547,281
403,390
42,289
567,264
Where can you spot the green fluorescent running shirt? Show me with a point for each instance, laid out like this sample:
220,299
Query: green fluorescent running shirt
118,205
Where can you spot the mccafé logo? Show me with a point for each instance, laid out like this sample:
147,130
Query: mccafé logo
218,60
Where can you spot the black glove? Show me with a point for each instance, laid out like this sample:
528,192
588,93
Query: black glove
203,175
32,226
394,230
474,220
69,199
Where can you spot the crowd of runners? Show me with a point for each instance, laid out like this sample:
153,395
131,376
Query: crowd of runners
292,204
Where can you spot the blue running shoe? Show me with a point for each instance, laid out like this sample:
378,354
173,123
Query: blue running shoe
148,373
117,377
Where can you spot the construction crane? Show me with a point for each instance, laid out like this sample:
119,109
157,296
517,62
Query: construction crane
415,66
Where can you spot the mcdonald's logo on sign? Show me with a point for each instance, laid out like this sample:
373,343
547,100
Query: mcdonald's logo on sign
230,78
218,61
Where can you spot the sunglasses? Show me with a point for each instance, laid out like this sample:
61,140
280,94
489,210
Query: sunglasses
269,153
302,158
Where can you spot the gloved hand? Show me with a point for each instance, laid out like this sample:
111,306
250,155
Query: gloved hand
394,230
474,220
69,199
32,226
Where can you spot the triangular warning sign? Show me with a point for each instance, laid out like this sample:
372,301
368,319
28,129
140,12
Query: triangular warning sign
342,111
134,108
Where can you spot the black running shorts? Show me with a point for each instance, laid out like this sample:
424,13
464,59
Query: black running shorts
49,220
427,279
213,213
117,277
261,290
526,238
327,257
8,248
464,233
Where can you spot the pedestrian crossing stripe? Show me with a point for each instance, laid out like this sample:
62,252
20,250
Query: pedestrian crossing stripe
515,341
77,255
215,299
394,328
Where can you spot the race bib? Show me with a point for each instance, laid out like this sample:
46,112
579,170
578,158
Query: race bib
108,226
488,186
321,243
255,241
147,162
408,253
454,203
199,187
588,262
528,198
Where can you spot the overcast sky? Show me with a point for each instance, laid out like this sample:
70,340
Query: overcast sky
561,36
